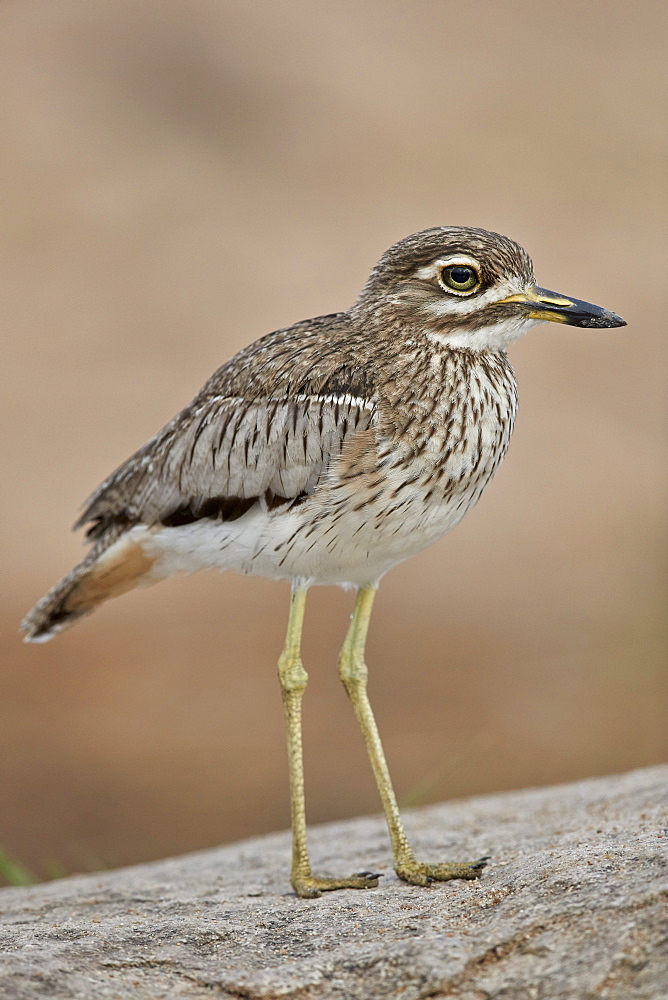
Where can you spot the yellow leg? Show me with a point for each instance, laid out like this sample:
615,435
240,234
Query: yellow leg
353,672
293,680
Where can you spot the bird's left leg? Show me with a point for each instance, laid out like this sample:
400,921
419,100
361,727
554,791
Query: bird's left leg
293,680
353,672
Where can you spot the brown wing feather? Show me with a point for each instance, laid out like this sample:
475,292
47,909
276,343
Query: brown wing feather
228,450
267,424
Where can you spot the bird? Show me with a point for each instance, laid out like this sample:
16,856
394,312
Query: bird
328,452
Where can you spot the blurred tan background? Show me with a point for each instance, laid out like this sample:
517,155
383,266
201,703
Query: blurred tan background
180,177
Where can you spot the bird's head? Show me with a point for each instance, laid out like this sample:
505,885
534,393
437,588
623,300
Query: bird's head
467,288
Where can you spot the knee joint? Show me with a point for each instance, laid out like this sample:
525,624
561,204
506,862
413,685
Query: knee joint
291,673
352,669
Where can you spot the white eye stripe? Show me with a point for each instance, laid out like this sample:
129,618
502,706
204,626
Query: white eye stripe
434,269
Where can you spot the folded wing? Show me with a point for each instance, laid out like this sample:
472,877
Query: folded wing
223,454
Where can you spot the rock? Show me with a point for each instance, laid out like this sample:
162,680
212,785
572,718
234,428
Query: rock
573,906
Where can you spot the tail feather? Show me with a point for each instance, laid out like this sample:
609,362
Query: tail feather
54,613
107,571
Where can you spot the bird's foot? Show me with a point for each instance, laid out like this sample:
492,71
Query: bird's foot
310,886
420,873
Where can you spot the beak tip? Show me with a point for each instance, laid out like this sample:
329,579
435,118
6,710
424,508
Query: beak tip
604,320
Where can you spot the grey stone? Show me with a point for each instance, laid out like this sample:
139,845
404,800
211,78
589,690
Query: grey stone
572,905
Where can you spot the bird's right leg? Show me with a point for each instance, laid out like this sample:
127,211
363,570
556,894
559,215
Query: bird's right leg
293,680
353,672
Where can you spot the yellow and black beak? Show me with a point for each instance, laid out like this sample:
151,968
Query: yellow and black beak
540,304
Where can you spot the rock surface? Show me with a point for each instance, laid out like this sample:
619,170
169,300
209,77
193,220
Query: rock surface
573,905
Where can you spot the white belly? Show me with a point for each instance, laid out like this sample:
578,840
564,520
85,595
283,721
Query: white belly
337,547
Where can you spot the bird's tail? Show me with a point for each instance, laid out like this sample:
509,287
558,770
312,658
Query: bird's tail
107,571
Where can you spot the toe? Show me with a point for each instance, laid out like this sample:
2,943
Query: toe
424,874
312,886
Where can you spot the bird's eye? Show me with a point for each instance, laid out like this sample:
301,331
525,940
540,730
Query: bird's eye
460,278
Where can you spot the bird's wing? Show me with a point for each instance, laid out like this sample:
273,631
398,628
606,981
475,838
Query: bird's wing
223,453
